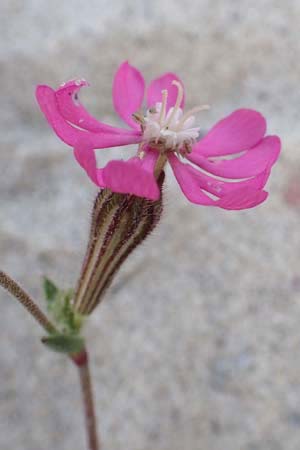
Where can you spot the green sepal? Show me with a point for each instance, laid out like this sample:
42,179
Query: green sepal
64,343
50,290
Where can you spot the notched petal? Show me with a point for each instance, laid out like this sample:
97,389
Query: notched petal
227,195
69,105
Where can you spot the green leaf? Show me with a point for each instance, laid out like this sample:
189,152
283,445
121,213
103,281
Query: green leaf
50,290
59,305
64,343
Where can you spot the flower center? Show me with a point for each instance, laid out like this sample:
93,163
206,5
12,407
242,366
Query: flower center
170,130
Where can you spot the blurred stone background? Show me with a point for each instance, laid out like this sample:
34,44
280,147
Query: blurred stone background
197,344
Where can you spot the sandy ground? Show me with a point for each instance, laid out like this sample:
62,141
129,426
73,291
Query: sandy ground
197,344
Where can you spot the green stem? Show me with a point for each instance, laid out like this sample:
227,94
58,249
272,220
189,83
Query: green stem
81,360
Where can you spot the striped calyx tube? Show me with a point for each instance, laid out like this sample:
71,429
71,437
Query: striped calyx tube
119,223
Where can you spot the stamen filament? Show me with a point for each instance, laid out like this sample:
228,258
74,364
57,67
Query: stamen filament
178,101
190,113
163,108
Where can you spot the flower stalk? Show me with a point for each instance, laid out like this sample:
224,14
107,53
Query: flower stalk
119,223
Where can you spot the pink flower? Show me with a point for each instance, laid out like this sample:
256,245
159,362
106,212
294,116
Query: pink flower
230,165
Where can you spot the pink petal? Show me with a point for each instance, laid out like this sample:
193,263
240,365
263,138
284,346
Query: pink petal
148,162
130,177
189,182
242,195
72,136
73,111
162,83
221,188
243,199
128,93
251,163
85,156
239,131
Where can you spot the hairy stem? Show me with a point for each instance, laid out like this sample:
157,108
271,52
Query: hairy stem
82,362
14,289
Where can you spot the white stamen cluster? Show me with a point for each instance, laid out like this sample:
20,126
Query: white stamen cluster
172,130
